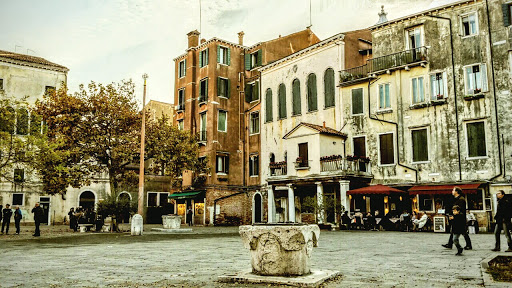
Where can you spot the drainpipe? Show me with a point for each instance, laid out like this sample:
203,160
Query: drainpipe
494,91
454,91
396,128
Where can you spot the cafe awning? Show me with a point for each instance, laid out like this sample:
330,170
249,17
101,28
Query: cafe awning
378,189
187,195
444,189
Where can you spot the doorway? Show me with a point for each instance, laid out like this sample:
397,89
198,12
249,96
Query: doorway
44,202
257,208
87,200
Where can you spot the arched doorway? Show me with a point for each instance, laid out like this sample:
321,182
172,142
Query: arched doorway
257,208
125,197
87,200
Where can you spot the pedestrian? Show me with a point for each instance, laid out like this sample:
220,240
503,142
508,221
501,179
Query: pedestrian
38,218
458,227
502,218
6,214
72,218
17,218
189,216
1,206
461,202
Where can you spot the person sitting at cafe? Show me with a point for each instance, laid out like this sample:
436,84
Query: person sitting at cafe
369,223
472,223
345,221
357,221
405,221
420,223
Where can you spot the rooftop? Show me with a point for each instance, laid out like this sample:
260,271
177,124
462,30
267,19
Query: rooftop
11,57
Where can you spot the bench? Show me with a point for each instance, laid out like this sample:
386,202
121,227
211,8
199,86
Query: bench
85,227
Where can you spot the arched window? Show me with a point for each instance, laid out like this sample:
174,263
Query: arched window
296,97
35,124
22,121
268,105
7,119
312,101
282,101
329,88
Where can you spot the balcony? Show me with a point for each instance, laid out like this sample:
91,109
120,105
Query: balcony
278,168
349,165
399,60
202,136
203,98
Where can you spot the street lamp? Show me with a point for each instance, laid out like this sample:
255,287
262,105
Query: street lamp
140,209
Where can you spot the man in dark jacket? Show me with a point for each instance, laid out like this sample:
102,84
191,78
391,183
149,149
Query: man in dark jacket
6,214
17,219
461,202
458,227
38,218
502,219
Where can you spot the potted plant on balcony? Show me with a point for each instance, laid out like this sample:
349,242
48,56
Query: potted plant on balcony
350,158
299,160
365,159
440,96
477,91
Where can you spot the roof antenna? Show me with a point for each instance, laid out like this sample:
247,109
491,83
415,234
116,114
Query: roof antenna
310,20
200,27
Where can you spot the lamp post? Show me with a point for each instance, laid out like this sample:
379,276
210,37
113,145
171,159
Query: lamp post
140,209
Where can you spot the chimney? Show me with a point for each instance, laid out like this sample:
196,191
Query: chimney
241,38
324,124
382,16
193,39
203,40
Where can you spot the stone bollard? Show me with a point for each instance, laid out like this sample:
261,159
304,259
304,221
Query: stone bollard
171,221
137,225
280,249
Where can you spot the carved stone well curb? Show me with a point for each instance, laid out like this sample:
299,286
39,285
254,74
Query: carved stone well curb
171,221
280,249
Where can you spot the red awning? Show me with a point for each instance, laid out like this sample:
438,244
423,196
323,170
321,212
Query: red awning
444,189
375,189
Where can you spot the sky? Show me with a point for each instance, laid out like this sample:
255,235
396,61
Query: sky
110,40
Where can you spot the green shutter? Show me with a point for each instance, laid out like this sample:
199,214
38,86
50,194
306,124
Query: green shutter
184,67
268,105
218,53
251,163
296,97
200,59
35,124
256,165
256,91
247,62
476,139
312,93
506,14
206,60
228,90
260,56
247,92
227,164
218,86
282,101
206,90
229,56
419,148
357,101
329,88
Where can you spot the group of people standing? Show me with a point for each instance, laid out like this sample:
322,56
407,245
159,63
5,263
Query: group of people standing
80,216
7,213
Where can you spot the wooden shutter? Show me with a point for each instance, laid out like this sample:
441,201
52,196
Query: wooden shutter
419,148
506,14
200,59
386,149
217,159
329,88
268,105
303,152
228,90
251,163
218,53
226,164
206,89
206,57
229,56
218,86
247,91
260,56
359,146
255,91
184,67
312,99
296,97
357,101
256,165
247,62
282,101
476,139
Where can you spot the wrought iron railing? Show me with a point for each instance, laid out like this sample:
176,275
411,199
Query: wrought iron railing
331,165
203,98
278,169
354,73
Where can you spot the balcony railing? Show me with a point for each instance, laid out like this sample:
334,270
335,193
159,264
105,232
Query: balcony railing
180,107
278,168
351,166
202,136
354,73
203,98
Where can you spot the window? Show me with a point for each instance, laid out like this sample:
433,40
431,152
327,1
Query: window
426,203
203,58
386,149
221,124
157,199
180,124
359,146
7,119
223,87
17,199
35,124
182,68
476,79
1,84
255,123
22,121
419,145
507,13
223,55
302,160
476,139
475,201
256,59
202,133
222,162
48,90
268,105
252,91
296,107
469,24
414,38
181,99
203,90
384,101
19,175
312,102
437,86
357,101
281,97
254,165
329,88
418,90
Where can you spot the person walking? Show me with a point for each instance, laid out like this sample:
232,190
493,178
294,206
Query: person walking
6,214
72,218
38,218
502,218
461,202
17,218
189,216
458,227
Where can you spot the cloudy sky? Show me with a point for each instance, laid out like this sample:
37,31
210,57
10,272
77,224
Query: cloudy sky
110,40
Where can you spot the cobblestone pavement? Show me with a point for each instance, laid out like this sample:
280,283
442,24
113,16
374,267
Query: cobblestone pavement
366,259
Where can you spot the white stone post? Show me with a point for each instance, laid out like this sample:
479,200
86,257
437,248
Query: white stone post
344,187
320,201
291,203
271,205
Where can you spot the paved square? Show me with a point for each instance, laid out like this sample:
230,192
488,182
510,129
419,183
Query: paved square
365,259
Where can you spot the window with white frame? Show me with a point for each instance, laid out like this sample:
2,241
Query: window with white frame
222,122
475,201
386,149
426,203
222,164
254,165
19,175
1,84
419,145
180,124
203,58
384,98
414,37
181,99
475,78
437,86
18,199
223,87
182,69
202,131
203,90
475,132
157,199
223,55
357,101
469,24
255,59
255,123
418,90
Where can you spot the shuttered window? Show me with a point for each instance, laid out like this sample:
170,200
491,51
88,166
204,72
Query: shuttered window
357,101
182,68
222,121
254,165
329,88
282,101
296,97
203,58
507,12
312,93
359,146
268,105
386,149
222,87
419,145
384,98
22,121
223,55
222,164
35,124
476,79
476,139
203,90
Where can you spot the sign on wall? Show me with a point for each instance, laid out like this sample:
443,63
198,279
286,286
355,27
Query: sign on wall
439,224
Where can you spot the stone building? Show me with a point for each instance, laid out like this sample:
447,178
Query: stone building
302,148
217,96
429,109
